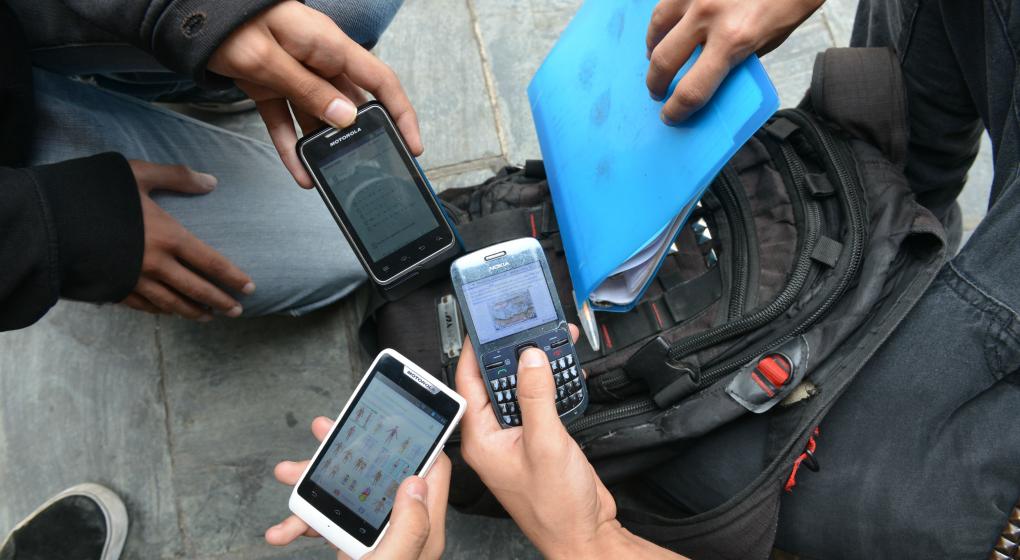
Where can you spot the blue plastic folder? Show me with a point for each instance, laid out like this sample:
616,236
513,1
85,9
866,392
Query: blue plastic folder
622,182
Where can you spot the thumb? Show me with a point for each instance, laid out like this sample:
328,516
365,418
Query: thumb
409,525
177,178
536,395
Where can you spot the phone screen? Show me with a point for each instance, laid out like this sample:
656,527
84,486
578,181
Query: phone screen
384,439
510,302
386,435
373,186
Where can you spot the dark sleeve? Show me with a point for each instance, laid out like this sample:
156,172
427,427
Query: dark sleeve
181,34
72,229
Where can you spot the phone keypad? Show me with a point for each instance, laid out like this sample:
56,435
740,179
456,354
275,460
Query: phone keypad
569,388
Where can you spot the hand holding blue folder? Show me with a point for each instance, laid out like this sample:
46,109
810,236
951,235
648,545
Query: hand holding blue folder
623,183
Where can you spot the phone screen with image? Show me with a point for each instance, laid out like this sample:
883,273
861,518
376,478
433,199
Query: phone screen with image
381,442
510,302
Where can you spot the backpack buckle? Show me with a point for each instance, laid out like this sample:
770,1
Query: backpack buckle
771,377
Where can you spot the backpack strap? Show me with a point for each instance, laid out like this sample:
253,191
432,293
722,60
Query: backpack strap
861,90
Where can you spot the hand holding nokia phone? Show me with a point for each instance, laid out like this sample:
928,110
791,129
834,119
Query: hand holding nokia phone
381,200
393,427
509,302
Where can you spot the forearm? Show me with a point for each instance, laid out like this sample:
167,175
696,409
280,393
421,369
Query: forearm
72,229
181,34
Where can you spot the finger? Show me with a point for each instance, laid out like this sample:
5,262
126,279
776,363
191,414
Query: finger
210,263
350,89
198,289
574,332
698,85
321,427
669,56
138,302
409,524
438,480
276,115
176,178
536,395
306,91
286,531
479,419
665,16
307,122
289,472
163,297
368,72
330,52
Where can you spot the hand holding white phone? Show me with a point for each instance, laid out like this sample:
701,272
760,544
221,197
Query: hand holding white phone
393,427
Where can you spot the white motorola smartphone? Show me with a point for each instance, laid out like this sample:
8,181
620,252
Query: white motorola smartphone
393,427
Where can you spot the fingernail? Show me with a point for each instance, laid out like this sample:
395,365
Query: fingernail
339,113
205,318
416,489
234,311
655,96
533,357
667,120
208,181
248,289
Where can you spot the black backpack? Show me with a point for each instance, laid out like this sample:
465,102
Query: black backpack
800,259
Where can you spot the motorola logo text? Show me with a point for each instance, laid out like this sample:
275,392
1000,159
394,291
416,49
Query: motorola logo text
344,137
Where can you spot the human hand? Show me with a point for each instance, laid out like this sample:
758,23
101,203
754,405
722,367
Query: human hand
178,269
730,31
536,471
293,53
418,523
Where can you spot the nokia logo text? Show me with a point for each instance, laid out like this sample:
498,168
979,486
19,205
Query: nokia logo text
344,137
496,267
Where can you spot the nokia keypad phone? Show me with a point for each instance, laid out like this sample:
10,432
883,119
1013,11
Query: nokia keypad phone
382,201
509,303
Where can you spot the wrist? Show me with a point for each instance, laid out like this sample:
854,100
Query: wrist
610,540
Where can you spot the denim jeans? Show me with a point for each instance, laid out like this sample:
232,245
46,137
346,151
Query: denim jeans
258,217
920,458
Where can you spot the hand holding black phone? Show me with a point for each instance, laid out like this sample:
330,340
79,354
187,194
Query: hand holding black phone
382,201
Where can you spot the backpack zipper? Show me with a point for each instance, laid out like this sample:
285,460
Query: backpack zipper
790,292
736,212
850,184
626,410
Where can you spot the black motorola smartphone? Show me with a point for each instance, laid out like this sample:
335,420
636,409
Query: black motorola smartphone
381,200
509,302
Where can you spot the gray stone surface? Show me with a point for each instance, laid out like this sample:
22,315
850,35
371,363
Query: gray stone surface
187,420
791,64
241,396
432,47
515,36
82,400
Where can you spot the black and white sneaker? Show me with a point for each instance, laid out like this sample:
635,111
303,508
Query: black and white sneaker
84,522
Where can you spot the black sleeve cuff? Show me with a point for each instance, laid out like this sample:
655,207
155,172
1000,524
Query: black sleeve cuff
189,32
97,216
